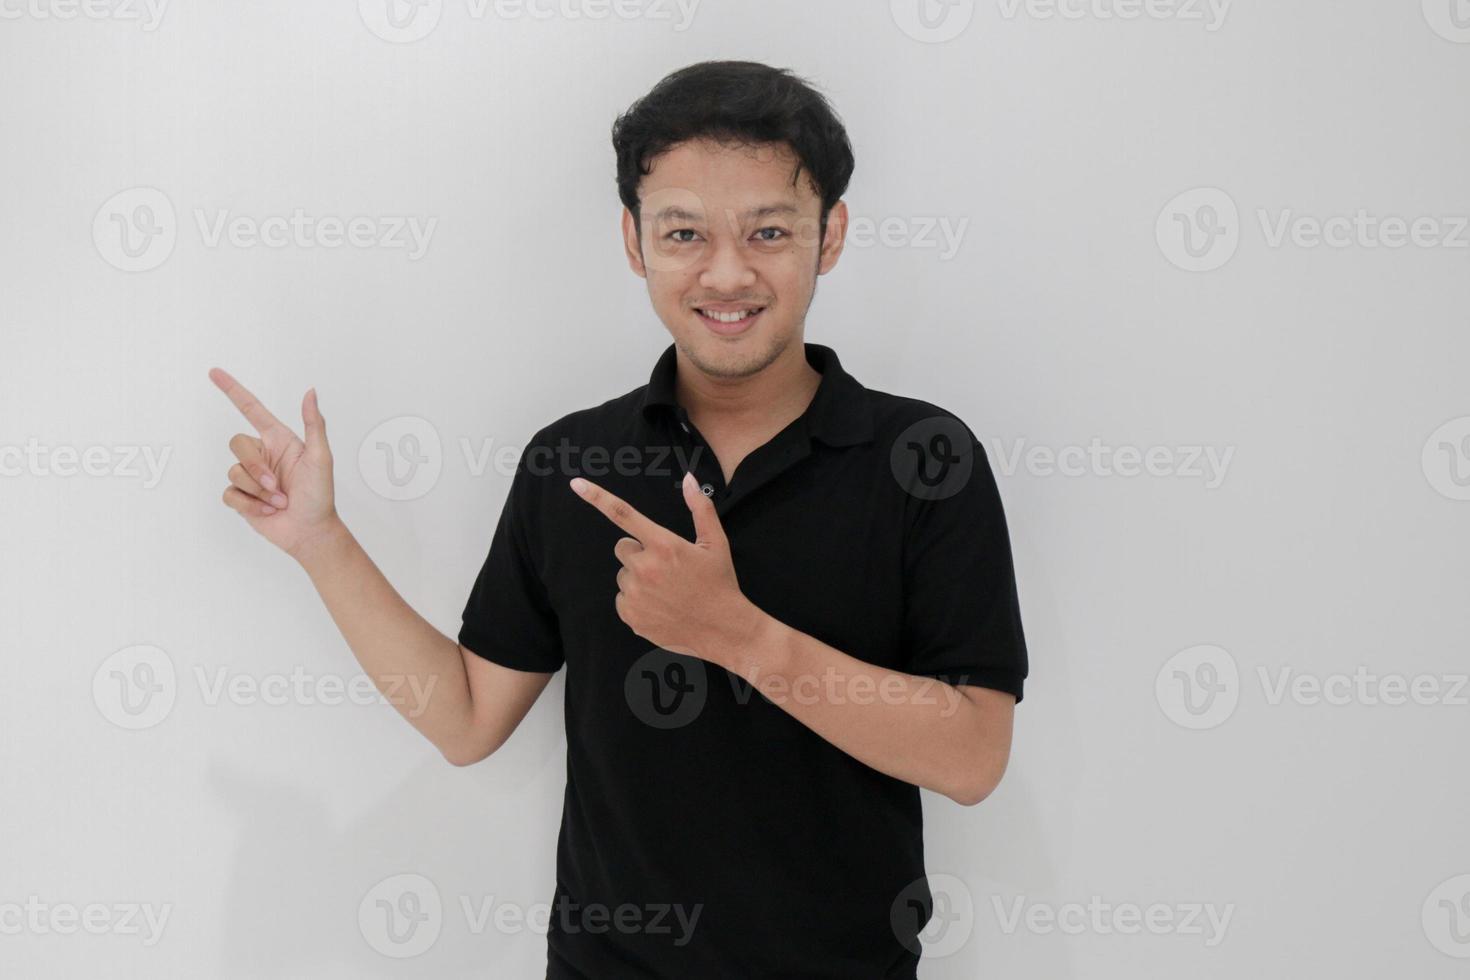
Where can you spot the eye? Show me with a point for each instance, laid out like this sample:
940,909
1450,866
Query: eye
681,231
778,231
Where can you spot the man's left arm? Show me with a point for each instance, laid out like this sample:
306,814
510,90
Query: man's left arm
954,740
962,624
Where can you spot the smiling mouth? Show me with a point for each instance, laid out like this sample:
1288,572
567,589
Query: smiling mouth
730,318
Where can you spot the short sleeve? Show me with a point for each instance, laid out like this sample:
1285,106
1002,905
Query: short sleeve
508,618
962,616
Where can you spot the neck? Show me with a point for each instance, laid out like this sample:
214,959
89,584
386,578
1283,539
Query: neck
774,395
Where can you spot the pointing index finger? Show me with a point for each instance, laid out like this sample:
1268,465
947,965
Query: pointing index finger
247,403
620,512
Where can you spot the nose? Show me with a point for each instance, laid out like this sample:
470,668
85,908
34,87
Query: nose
727,270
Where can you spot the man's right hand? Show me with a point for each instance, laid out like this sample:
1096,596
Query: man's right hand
466,705
281,485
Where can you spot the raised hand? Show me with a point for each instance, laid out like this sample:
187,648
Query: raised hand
281,485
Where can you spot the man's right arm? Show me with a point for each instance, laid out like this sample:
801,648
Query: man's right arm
464,704
282,485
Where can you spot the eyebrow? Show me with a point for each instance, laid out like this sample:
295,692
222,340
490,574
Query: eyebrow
676,213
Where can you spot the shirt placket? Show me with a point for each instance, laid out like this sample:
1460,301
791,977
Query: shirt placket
761,466
701,458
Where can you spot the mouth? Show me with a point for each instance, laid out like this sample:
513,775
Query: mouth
729,323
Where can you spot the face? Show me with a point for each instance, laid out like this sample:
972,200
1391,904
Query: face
730,250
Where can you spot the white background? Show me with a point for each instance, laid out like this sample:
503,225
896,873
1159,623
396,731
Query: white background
1332,834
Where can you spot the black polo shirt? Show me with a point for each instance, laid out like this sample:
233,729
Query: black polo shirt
706,834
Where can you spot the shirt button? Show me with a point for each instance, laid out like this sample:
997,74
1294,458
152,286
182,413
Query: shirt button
707,489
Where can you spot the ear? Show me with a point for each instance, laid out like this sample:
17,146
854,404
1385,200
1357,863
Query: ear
834,239
632,245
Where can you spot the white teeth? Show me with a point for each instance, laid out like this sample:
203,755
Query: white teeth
731,317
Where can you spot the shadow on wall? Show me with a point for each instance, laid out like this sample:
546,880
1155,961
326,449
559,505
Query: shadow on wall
292,901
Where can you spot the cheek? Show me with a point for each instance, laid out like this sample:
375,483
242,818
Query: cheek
668,288
790,275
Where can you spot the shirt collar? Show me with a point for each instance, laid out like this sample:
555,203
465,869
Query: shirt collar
838,415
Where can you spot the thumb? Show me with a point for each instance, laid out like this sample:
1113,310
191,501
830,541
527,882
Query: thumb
316,427
707,527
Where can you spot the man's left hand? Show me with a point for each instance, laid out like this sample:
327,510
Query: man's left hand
679,595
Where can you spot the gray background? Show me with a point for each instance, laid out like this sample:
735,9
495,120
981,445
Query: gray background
1159,764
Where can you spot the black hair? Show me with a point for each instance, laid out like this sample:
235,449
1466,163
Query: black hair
740,103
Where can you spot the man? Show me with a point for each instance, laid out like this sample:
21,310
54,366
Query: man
767,655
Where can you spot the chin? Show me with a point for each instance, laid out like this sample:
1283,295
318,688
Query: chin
734,358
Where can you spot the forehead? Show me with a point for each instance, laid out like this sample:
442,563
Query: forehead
699,175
